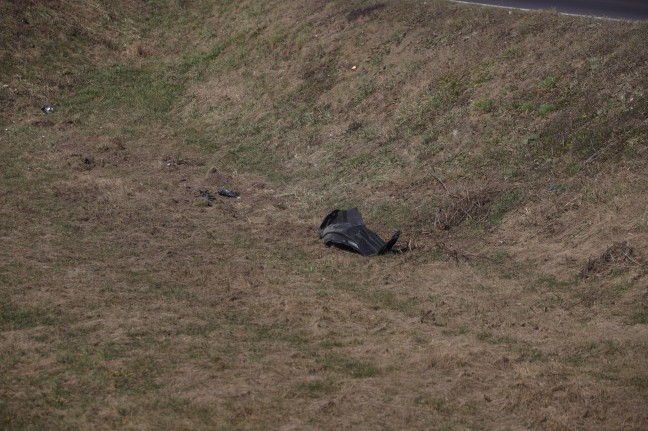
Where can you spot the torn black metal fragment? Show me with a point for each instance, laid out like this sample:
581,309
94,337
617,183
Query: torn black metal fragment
345,229
229,193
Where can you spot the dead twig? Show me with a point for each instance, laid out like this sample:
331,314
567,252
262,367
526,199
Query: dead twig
617,257
443,185
465,208
631,259
457,255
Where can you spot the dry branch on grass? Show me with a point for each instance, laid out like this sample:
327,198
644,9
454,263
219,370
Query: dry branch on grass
467,207
618,257
459,256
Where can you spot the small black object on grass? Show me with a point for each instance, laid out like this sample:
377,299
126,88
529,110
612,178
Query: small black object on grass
229,193
346,229
47,109
206,195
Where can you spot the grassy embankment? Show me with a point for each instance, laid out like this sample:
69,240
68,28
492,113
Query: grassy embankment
510,148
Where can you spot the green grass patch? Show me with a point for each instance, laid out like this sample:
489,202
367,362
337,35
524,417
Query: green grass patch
137,376
546,108
549,82
14,317
484,105
199,62
356,369
278,332
639,382
172,290
248,150
462,330
561,289
639,317
330,344
504,203
491,338
622,287
391,301
500,255
135,97
438,404
525,107
317,388
366,89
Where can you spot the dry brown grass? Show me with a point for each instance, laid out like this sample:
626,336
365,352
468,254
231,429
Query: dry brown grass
509,148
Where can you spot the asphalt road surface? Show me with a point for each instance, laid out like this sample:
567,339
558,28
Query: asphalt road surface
618,9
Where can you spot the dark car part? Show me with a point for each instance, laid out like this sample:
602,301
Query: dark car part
229,193
346,229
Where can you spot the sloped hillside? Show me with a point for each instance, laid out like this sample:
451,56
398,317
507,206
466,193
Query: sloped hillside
509,147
